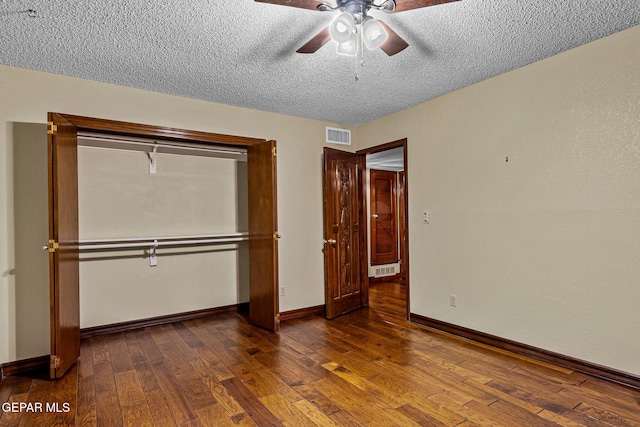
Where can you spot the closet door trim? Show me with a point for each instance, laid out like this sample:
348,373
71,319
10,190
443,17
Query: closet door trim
89,124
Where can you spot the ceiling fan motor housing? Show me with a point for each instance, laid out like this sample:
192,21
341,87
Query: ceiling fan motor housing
352,21
359,8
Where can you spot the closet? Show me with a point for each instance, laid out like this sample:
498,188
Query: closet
169,220
162,228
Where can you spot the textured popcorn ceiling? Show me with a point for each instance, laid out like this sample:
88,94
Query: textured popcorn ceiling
242,53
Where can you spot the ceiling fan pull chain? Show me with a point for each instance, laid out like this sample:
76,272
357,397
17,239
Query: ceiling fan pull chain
362,51
357,51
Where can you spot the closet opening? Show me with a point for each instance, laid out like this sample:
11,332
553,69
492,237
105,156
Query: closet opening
149,222
163,228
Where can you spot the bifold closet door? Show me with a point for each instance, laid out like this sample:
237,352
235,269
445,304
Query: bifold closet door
263,236
63,224
63,244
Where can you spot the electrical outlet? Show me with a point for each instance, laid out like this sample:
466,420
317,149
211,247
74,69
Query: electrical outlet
282,291
452,300
426,217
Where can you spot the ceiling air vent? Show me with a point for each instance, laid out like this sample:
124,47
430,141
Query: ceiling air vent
338,136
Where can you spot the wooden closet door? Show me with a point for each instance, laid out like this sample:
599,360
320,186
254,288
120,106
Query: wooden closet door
263,236
63,244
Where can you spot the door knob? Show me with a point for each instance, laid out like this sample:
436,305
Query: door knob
331,241
374,216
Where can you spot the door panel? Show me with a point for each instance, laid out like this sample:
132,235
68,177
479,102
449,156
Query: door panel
343,286
63,233
402,225
263,236
384,229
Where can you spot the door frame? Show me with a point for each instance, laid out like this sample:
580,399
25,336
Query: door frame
263,234
404,249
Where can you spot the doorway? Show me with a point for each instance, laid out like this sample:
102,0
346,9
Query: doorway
386,207
347,225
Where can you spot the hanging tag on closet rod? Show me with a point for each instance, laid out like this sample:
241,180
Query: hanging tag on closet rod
153,258
152,160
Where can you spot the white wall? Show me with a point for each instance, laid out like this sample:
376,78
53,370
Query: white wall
542,249
30,270
118,198
27,96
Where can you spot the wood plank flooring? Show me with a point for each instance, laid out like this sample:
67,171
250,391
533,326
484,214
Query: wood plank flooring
367,368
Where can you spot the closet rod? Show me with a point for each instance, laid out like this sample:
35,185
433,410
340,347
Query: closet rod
149,145
162,241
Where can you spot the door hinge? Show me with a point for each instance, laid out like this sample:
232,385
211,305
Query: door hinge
277,321
274,151
276,236
53,245
52,128
56,362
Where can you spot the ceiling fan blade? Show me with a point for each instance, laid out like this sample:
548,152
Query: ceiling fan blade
394,43
402,5
316,42
303,4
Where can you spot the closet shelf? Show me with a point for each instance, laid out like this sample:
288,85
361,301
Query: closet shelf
208,239
151,146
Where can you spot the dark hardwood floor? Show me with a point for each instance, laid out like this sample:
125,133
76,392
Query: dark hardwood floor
367,368
389,298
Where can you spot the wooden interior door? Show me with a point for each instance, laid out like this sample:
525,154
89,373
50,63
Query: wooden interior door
384,224
342,233
263,231
402,224
63,244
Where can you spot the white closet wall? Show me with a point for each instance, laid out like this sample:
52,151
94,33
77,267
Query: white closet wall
188,195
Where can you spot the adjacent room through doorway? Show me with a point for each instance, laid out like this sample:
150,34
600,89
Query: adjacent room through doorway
386,206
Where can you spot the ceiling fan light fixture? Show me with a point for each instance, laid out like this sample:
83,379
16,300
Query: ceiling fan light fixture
349,47
373,34
341,29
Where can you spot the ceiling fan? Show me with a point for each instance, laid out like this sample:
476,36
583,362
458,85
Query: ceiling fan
354,26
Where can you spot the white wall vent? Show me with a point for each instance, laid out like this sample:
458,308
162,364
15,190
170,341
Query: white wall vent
385,271
338,136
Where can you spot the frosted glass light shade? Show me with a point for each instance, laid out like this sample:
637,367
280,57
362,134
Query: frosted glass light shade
373,33
350,47
342,28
